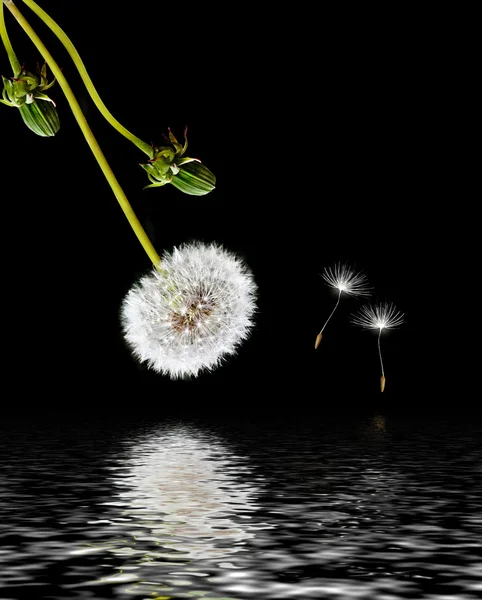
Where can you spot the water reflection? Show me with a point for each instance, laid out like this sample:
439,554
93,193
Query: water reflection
377,423
184,489
180,497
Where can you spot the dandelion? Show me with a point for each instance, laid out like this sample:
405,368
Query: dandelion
197,305
379,316
192,312
344,279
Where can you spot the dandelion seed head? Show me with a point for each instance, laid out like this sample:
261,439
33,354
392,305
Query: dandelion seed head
193,313
345,279
378,316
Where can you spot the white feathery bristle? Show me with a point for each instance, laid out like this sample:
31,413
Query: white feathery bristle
378,316
192,313
343,278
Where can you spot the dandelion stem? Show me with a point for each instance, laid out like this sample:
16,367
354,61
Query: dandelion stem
74,55
12,57
380,351
319,336
89,136
382,378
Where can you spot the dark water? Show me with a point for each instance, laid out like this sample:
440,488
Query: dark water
375,507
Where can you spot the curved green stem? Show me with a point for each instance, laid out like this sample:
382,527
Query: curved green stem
89,136
74,55
12,57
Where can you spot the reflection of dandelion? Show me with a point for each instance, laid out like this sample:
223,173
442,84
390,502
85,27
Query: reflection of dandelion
183,503
344,279
380,316
189,494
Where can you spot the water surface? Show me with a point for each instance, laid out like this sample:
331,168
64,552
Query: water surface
372,507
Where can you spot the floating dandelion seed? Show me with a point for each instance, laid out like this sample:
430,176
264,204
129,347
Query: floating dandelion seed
379,316
344,279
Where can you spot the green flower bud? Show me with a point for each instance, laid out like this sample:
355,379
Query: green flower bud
41,117
26,92
195,179
169,165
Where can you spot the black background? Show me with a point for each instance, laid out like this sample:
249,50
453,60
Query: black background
319,129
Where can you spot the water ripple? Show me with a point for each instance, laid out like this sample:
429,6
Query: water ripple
362,509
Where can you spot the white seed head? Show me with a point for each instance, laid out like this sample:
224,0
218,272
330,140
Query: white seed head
192,313
343,278
378,316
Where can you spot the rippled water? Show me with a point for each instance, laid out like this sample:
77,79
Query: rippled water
369,508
